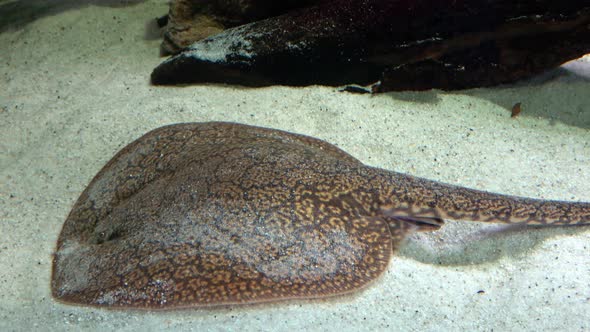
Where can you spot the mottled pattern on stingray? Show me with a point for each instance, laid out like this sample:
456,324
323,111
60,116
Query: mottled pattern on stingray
218,213
405,195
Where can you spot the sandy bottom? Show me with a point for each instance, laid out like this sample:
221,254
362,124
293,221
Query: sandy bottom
74,90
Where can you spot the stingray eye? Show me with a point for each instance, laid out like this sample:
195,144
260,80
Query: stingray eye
100,237
104,236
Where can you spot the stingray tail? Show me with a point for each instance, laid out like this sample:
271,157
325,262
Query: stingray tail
420,198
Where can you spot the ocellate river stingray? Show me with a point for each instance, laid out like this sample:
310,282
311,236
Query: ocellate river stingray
205,214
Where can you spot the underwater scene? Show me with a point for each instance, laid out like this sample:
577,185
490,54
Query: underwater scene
316,165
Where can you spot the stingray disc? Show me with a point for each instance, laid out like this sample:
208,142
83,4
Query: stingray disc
207,214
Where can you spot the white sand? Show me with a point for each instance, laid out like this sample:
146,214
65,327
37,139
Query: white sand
74,90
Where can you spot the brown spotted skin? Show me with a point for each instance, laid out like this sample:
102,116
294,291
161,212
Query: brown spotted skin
204,214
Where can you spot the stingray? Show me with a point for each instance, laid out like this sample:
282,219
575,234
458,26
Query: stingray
208,214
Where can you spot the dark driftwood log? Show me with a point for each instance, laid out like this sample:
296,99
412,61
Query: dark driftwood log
407,44
192,20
